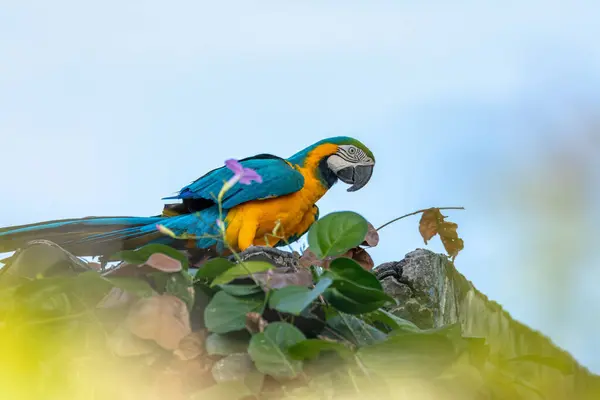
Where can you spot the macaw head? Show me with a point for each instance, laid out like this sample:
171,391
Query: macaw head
341,157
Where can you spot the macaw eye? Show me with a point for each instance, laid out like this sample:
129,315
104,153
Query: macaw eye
351,150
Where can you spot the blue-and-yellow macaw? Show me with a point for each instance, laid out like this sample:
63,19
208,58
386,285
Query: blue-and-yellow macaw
286,198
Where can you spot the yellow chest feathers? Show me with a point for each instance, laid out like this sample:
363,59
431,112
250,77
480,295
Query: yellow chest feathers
253,223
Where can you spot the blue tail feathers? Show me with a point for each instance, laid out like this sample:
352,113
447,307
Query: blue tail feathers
72,233
92,236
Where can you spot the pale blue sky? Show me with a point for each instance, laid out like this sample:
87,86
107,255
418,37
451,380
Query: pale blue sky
106,108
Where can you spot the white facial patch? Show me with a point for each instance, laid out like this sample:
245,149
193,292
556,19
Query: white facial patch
336,163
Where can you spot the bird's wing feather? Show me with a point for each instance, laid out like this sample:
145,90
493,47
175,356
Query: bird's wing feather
278,178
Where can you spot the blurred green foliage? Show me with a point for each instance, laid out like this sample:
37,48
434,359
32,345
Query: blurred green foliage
149,332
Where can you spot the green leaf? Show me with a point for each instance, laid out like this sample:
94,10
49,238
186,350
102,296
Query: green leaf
346,269
207,291
58,305
158,280
213,268
46,297
141,255
287,299
241,270
179,284
224,345
136,286
7,299
362,294
268,350
561,365
350,305
52,285
354,290
240,290
478,351
234,390
294,299
62,295
410,355
89,287
226,313
452,332
238,367
254,381
393,321
336,233
311,348
353,329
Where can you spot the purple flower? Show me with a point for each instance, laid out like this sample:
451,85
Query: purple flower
244,175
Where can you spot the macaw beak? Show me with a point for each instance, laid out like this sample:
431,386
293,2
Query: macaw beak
357,176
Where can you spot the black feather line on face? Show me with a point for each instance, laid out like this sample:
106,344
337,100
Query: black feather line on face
354,156
326,175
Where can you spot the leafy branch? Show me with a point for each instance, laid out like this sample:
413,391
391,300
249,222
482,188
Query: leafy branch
235,328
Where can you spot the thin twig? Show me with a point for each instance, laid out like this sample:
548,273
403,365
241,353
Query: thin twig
415,213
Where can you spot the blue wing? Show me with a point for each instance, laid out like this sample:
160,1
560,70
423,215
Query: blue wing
279,178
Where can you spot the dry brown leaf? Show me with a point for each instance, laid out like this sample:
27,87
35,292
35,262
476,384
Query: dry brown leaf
432,223
191,346
255,323
308,259
124,344
428,226
164,263
362,257
163,318
372,238
452,243
116,297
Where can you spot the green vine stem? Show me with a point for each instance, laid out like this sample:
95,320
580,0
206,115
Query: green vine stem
415,213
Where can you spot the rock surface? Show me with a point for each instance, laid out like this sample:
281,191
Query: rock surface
432,293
